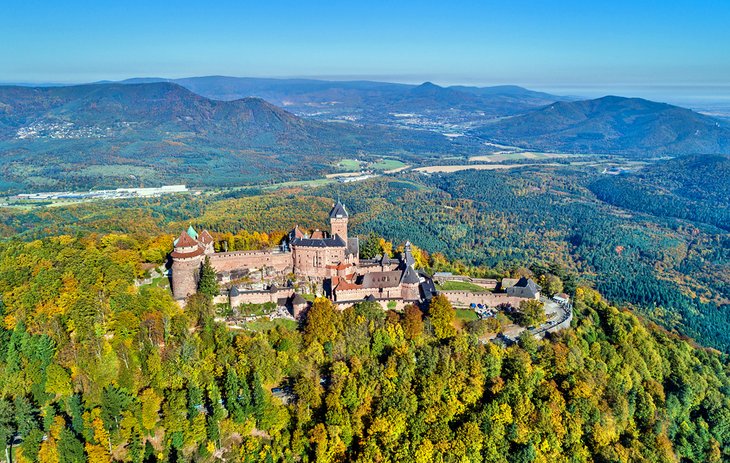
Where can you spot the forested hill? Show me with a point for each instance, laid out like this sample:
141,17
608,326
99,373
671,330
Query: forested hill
96,369
614,125
692,187
162,132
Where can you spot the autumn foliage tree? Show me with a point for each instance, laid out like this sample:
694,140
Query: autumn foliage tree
442,316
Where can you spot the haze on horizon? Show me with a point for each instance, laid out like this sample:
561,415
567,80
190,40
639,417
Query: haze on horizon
566,46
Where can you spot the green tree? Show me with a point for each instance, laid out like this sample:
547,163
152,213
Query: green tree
551,284
370,246
531,313
442,316
7,425
527,342
258,396
208,283
70,449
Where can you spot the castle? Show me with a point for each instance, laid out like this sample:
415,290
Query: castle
330,261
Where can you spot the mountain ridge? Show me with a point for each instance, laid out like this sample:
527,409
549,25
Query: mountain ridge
612,125
55,134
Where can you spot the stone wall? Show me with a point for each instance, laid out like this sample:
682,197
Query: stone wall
261,297
361,293
465,298
363,269
237,260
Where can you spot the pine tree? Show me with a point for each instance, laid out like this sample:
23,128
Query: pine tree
207,285
232,392
258,397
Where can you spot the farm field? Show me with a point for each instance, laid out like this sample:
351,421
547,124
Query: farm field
349,164
450,169
387,164
514,156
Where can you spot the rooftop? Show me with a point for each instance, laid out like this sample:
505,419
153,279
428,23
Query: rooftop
338,211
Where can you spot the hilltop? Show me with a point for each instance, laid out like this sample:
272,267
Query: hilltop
615,125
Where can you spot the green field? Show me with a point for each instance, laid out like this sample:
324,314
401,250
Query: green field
460,286
386,164
349,164
466,315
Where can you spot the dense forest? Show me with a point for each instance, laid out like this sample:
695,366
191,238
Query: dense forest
692,187
96,369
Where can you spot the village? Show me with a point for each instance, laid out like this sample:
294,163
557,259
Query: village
281,283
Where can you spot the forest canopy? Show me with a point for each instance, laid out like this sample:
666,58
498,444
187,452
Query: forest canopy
94,368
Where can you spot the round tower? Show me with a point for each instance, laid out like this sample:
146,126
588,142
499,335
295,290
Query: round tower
187,257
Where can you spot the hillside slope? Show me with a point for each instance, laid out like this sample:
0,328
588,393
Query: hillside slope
616,125
49,135
691,187
96,368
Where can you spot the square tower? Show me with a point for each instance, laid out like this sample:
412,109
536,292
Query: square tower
338,221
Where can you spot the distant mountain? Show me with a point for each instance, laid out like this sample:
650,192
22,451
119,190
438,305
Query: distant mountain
168,133
372,102
616,125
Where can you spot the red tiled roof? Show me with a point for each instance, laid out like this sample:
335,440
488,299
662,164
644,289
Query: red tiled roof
317,235
297,232
185,241
205,237
342,284
181,255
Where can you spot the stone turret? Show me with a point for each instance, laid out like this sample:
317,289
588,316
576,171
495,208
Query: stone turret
410,281
338,221
187,257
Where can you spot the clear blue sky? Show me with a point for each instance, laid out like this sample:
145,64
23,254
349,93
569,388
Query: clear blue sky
543,44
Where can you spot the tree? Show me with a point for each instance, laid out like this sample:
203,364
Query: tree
70,449
258,396
150,409
531,313
208,283
58,381
412,322
370,246
322,321
442,316
7,425
527,342
483,326
551,284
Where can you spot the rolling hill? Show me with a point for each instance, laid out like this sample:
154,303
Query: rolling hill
615,125
367,100
161,132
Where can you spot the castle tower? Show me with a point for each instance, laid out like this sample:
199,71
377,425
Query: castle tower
338,220
187,257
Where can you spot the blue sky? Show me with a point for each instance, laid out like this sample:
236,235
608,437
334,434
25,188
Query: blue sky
542,44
